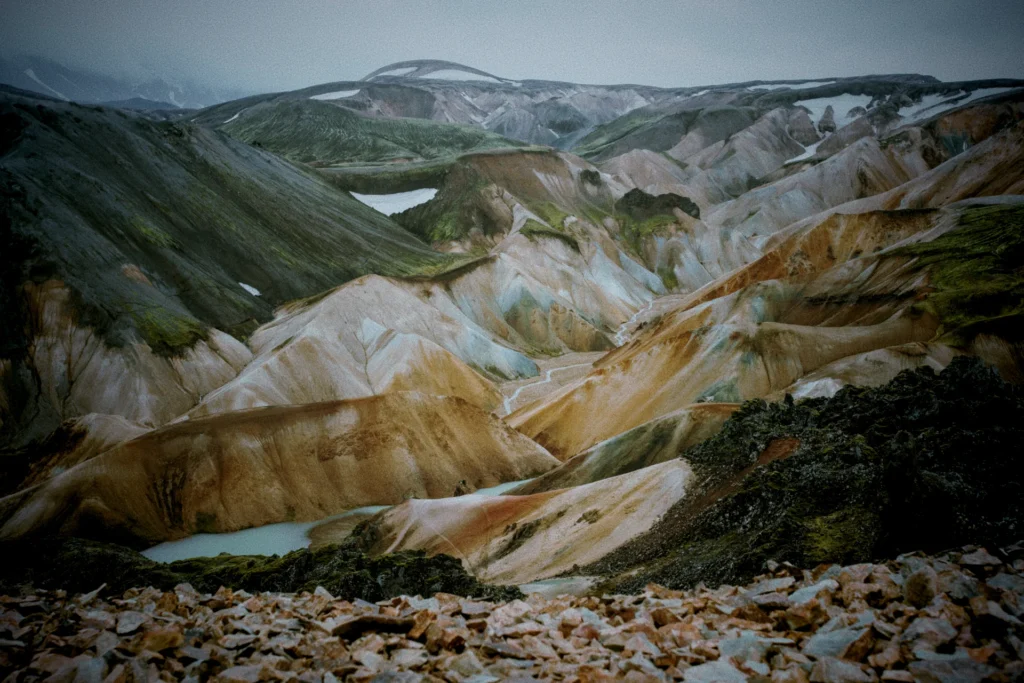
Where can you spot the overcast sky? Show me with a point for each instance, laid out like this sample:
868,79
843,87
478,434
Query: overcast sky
259,45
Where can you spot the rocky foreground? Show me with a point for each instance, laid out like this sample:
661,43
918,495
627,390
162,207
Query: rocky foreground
951,617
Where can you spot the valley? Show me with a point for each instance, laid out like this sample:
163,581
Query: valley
523,337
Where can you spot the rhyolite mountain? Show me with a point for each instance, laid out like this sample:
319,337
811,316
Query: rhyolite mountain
437,279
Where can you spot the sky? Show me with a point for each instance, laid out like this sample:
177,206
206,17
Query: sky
258,45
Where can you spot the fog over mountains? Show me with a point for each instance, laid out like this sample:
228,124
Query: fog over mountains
47,77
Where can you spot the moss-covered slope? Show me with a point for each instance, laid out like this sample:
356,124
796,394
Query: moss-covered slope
154,225
321,133
78,565
924,462
977,271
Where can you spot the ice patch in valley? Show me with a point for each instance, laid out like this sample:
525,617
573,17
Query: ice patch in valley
233,118
249,288
397,202
335,95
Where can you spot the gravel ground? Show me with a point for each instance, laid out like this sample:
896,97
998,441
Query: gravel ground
951,617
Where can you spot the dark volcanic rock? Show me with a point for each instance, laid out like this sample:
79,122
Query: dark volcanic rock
639,205
925,462
827,124
78,565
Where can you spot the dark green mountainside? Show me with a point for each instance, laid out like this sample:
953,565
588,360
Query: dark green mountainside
324,134
154,225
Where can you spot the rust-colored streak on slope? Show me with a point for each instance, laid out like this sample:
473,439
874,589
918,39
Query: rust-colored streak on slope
276,464
729,349
515,539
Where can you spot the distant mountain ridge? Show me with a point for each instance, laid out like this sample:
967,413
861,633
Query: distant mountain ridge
565,115
47,77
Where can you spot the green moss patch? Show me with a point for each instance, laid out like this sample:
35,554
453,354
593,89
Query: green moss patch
978,274
167,333
534,230
321,133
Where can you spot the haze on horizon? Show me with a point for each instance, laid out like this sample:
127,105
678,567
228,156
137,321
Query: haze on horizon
262,46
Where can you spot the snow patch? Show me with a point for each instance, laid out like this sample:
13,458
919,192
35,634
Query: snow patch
397,202
172,100
819,388
841,104
936,104
233,117
398,72
249,288
698,94
336,95
456,75
791,86
808,153
32,74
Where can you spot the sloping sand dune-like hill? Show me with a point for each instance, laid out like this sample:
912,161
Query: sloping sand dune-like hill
283,463
368,336
752,335
729,350
516,539
77,372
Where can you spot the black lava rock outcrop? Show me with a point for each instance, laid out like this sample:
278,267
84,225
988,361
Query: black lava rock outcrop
925,462
640,206
78,565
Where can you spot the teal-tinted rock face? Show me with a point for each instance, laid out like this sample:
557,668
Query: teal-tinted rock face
924,462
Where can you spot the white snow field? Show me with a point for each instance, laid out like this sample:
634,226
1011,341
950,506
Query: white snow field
791,86
398,202
336,95
456,75
249,288
398,72
936,104
841,104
